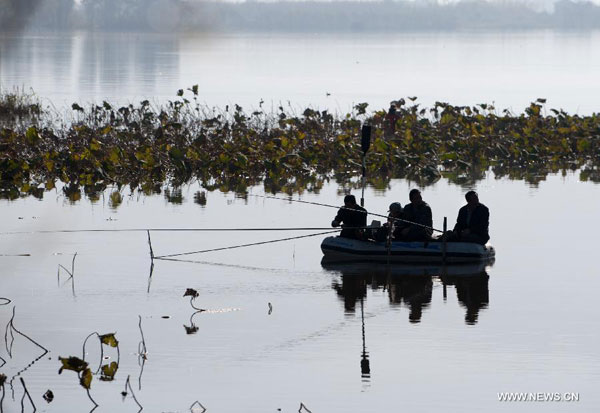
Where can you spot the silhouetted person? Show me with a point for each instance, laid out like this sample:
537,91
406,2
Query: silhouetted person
474,294
418,212
394,212
352,289
415,292
351,215
472,224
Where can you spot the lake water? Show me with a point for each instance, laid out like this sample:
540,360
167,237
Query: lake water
324,71
527,323
283,329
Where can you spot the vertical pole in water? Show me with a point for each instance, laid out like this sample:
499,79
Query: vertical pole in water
444,243
365,143
364,173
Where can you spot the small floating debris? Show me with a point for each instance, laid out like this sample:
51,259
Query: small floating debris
48,396
165,316
193,329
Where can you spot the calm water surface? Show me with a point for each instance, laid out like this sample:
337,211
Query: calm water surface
529,323
326,71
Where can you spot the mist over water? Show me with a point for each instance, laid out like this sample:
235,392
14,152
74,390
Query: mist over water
296,16
328,71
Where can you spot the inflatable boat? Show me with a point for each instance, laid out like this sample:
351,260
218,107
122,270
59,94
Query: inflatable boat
348,249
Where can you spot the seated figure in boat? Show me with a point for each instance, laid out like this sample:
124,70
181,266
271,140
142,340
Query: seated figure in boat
351,215
417,212
394,213
472,224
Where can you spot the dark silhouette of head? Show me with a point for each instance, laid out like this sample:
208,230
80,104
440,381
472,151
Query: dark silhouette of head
349,200
472,198
415,196
395,209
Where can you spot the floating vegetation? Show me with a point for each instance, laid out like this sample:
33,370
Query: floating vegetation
124,393
83,371
148,147
115,199
71,274
17,106
26,393
48,396
200,198
142,353
193,294
3,379
107,372
190,292
9,338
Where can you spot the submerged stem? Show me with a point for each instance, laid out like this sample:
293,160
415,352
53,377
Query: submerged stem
194,307
28,396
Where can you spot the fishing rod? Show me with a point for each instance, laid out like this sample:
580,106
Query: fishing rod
92,230
67,231
344,207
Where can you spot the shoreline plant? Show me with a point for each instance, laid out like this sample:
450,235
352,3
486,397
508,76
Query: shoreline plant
147,147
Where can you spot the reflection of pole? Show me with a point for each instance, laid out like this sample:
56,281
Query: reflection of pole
365,368
444,242
445,288
444,248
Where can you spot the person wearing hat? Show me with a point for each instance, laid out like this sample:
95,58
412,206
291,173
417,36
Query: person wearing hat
473,221
417,212
351,215
395,212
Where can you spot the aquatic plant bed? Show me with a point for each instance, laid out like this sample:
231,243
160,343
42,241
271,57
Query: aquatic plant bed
147,146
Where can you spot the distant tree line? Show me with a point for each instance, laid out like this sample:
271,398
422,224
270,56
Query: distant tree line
290,16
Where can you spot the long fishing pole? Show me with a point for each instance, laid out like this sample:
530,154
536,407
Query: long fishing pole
343,207
67,231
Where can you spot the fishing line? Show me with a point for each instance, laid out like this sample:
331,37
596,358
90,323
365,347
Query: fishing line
243,245
70,231
344,207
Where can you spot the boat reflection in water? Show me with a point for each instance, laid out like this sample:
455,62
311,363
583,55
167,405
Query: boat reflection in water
410,285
